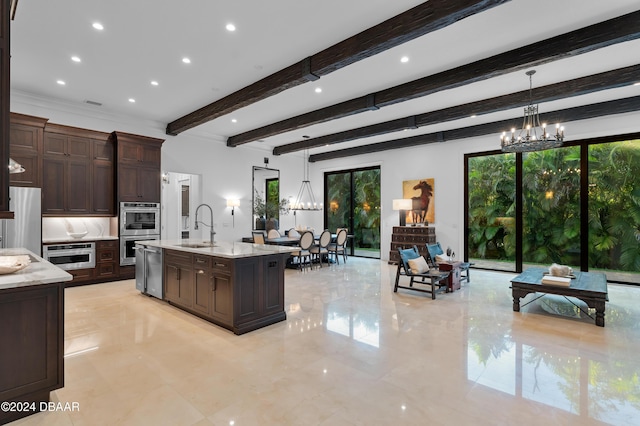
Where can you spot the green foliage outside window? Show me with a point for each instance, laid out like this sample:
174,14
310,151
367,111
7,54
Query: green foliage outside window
551,204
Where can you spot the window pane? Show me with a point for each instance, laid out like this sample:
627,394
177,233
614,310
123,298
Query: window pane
366,213
338,201
551,207
614,210
492,211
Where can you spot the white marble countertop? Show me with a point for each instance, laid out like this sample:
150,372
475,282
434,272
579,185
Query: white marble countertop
78,240
39,271
221,248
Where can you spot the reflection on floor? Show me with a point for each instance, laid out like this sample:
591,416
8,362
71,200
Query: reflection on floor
351,352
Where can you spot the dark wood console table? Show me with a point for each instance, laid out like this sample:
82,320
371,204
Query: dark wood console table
590,287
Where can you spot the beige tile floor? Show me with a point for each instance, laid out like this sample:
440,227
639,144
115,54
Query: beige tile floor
351,352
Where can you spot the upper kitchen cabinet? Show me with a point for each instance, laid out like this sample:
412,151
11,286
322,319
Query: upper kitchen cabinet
138,167
74,179
26,135
5,55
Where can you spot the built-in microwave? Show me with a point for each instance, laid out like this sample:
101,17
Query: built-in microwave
139,218
71,256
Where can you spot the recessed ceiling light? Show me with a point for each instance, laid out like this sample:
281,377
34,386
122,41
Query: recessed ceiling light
233,120
636,84
98,26
306,136
61,82
318,89
186,60
473,116
154,83
231,27
133,101
76,59
404,59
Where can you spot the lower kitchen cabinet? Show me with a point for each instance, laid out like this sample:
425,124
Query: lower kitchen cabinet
240,294
32,349
178,278
107,260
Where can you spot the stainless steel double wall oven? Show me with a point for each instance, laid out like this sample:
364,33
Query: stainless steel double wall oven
138,221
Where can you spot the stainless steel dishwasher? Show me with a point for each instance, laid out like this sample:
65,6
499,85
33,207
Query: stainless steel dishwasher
149,270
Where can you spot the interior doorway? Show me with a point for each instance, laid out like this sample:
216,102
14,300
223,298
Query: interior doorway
181,194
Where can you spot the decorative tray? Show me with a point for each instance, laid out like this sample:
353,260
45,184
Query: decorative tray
11,264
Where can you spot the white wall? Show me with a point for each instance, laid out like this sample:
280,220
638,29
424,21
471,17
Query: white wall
226,172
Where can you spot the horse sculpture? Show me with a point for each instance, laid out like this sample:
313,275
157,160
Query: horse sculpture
421,203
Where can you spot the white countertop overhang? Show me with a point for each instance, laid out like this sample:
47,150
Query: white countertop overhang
220,248
38,272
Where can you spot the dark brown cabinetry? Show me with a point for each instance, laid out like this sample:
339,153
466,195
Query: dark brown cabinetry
138,167
239,294
409,236
178,276
107,260
103,178
26,149
31,353
75,182
5,61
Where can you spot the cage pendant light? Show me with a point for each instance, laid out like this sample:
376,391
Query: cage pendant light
305,199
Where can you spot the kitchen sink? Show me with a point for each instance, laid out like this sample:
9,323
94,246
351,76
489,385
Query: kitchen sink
197,245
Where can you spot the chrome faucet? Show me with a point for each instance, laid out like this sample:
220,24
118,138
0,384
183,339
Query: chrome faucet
211,221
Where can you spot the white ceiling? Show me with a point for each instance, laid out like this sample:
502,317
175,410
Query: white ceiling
145,40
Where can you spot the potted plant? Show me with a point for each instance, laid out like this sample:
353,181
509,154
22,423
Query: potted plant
268,213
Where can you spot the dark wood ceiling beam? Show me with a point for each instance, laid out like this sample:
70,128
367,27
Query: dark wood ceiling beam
416,22
618,106
607,33
580,86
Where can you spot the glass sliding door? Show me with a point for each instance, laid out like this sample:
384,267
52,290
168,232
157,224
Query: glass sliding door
614,210
551,207
352,198
491,211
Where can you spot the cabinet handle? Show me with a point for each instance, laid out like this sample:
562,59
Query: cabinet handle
200,261
178,274
200,271
221,264
214,287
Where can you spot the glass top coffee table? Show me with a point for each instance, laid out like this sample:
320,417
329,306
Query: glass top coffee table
590,287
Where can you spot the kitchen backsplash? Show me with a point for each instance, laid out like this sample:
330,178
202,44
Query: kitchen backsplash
60,228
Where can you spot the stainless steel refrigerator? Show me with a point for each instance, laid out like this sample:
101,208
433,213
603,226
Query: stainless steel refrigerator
25,229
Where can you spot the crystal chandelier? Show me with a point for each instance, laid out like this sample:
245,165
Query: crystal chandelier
305,199
532,136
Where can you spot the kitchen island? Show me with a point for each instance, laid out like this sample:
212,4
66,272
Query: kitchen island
238,286
32,329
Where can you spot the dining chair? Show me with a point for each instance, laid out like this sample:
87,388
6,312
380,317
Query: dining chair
339,246
293,233
306,241
321,249
273,233
258,237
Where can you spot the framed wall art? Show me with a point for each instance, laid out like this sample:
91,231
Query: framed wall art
421,192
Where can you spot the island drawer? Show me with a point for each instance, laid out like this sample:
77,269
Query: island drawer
176,256
200,261
221,264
